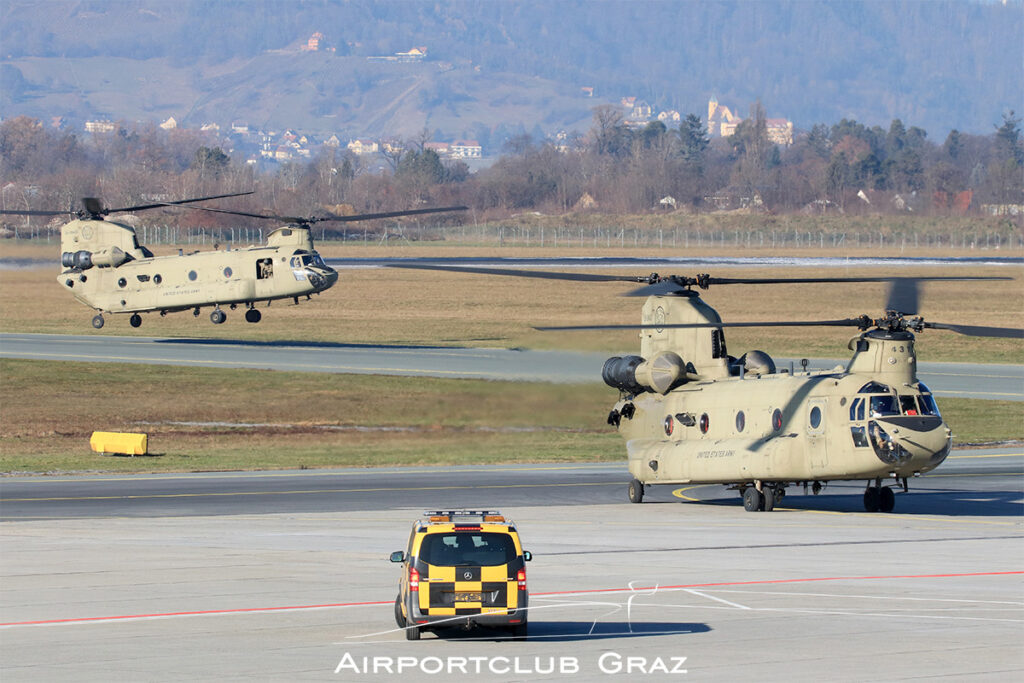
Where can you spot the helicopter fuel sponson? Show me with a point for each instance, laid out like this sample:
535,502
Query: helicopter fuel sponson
690,413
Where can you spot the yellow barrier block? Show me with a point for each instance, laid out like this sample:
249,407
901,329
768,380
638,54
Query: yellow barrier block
118,442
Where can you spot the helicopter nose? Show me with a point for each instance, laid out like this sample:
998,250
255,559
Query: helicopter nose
322,279
917,443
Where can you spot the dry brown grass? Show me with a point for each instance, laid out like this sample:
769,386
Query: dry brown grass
400,306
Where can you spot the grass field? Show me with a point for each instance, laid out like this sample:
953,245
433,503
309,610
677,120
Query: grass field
209,419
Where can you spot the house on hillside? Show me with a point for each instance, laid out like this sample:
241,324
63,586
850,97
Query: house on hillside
104,126
780,131
169,124
466,149
363,147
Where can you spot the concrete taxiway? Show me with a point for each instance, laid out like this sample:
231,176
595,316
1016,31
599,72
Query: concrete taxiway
156,578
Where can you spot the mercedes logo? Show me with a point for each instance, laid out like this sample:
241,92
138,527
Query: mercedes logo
467,575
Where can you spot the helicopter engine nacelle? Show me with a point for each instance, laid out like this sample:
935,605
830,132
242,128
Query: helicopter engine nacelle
635,375
84,260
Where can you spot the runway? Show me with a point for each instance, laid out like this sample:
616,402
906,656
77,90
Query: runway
965,380
284,576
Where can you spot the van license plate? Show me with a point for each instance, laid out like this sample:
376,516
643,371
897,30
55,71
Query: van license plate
468,597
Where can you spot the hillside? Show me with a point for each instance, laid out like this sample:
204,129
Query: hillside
500,66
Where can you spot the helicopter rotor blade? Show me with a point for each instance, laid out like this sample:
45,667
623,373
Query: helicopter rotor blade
15,212
300,220
979,330
156,205
390,214
904,296
844,322
540,274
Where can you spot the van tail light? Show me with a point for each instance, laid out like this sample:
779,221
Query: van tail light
414,580
521,578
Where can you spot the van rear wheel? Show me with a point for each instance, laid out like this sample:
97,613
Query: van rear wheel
399,617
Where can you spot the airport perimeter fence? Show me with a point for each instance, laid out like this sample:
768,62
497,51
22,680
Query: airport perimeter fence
579,237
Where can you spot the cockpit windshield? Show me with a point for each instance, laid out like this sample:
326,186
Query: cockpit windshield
303,260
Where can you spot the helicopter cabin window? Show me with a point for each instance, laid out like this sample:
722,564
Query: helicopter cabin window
264,268
815,417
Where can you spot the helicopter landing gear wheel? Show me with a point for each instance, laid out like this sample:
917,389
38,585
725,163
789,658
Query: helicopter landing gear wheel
752,500
636,491
135,320
769,494
872,498
97,321
886,499
218,316
253,315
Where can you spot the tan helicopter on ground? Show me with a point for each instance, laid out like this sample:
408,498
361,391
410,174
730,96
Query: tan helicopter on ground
692,414
107,269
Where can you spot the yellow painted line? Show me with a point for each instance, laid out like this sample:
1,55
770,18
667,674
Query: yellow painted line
229,364
228,494
680,493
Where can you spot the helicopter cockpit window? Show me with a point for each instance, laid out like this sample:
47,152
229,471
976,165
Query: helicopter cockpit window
860,439
927,401
909,405
317,261
874,388
857,411
884,405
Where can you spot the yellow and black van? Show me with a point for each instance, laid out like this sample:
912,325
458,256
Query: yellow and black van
462,568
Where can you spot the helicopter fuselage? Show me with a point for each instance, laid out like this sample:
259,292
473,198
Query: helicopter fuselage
107,270
692,414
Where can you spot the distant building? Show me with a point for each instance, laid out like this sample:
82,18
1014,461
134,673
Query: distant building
780,131
466,149
169,124
314,42
587,90
362,147
670,116
442,149
721,121
99,126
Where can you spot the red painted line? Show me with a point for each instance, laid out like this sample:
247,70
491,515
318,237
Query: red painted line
157,615
777,581
247,610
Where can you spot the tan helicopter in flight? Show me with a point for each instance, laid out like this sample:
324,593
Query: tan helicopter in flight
107,269
690,413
